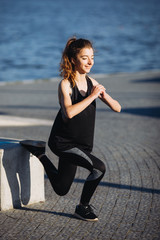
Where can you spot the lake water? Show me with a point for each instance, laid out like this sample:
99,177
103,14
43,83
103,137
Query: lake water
125,33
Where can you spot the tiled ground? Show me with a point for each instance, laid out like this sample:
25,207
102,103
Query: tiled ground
127,200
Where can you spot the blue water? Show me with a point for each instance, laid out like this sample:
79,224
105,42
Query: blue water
125,33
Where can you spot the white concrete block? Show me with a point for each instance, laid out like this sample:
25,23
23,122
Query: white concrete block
21,176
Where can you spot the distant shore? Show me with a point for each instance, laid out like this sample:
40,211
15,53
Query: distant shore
95,75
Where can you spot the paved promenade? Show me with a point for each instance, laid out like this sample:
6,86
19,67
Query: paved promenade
128,199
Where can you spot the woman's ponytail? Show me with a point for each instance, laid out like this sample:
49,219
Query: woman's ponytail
66,65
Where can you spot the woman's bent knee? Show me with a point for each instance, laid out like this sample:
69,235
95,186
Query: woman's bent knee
97,173
103,168
61,192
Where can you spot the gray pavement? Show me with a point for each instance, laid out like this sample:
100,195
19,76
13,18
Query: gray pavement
128,199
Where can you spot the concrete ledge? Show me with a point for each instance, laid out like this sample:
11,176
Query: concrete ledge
21,176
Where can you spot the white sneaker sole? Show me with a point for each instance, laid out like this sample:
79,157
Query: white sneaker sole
85,219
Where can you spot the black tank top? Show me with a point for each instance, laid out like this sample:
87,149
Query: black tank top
77,131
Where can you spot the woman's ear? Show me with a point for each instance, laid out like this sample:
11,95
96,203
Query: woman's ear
73,61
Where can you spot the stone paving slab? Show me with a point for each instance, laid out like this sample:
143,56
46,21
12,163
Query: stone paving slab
127,200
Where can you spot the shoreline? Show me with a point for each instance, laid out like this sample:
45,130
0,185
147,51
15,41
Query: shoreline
55,79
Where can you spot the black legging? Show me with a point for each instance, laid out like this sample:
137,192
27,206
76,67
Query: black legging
62,178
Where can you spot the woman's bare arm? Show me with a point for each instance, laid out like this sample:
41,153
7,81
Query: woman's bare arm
70,110
107,99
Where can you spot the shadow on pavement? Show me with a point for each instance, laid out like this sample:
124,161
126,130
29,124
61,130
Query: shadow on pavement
141,111
150,80
30,91
16,177
3,113
122,186
28,107
69,215
144,111
105,184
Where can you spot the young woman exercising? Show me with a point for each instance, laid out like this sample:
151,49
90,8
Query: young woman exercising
71,137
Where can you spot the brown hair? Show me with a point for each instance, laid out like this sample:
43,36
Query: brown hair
73,47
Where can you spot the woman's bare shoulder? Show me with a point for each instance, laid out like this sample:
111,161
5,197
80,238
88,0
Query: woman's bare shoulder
65,86
94,82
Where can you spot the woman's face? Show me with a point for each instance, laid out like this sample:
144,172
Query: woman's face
84,60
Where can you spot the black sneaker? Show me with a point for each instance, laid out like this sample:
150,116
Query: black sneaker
85,213
37,148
